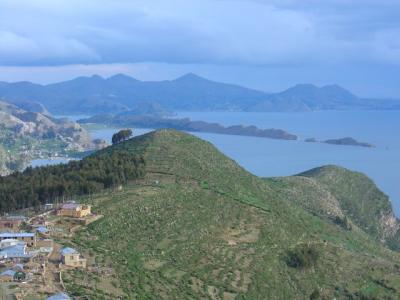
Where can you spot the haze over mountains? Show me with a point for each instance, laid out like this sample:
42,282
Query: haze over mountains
91,95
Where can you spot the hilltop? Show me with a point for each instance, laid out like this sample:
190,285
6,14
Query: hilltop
120,93
191,223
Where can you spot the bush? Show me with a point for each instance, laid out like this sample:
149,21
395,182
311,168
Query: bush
315,295
303,256
343,222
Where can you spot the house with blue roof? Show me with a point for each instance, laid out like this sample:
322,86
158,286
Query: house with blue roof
28,237
16,253
72,258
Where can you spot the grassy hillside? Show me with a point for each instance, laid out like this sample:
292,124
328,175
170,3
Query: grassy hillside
361,200
199,226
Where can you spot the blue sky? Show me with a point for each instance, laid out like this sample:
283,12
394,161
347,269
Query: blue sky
268,45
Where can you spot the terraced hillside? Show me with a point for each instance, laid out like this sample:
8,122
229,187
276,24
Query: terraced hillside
198,226
345,196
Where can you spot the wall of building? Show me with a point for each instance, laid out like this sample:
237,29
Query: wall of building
74,260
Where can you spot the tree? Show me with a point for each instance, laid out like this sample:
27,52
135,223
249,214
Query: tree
121,136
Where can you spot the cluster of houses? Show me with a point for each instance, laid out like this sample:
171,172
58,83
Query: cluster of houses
20,249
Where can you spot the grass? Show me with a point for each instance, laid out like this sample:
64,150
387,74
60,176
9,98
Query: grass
199,226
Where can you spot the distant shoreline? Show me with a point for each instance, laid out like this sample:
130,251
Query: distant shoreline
186,124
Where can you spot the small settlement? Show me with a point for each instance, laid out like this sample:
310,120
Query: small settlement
32,251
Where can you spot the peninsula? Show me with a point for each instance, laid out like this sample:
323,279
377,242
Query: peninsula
185,124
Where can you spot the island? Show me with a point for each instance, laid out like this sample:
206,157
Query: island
347,141
311,140
185,124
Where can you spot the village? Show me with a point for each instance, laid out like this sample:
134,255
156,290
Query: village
34,250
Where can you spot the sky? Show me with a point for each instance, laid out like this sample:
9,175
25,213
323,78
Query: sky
265,44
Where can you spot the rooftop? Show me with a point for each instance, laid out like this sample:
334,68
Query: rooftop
19,266
22,218
70,206
59,296
10,235
8,273
68,250
16,251
42,229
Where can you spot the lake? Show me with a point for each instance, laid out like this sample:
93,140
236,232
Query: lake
268,157
49,161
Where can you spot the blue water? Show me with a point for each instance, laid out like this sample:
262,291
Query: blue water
267,157
40,162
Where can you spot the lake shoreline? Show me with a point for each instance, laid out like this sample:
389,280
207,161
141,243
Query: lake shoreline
275,158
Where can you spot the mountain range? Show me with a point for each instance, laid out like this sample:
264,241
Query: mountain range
95,94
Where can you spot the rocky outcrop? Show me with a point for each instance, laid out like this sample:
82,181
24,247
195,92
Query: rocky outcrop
390,226
38,125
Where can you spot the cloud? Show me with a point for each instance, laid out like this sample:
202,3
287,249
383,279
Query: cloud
252,32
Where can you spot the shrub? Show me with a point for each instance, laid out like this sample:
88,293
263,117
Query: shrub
315,295
303,256
343,222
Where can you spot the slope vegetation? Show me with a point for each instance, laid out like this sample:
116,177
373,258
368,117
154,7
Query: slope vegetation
196,225
361,201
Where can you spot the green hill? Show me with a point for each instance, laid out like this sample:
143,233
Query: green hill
345,196
197,225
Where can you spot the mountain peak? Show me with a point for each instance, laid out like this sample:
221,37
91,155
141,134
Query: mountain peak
334,87
337,90
96,77
91,78
121,78
190,77
303,86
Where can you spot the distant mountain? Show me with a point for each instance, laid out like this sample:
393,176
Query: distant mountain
308,97
152,109
95,94
122,93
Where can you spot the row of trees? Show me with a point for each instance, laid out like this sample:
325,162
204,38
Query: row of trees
93,174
